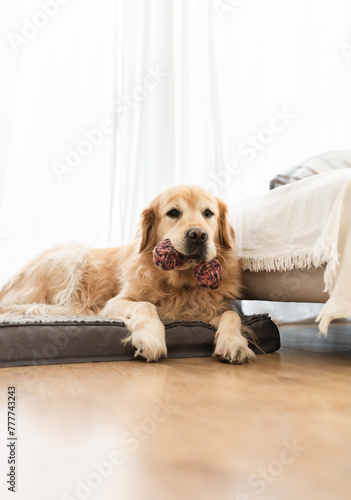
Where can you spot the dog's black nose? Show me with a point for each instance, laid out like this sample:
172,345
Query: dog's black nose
197,235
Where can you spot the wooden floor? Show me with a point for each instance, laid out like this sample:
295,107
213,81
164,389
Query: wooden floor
279,428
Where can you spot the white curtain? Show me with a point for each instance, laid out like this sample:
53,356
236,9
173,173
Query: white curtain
57,153
167,114
248,89
110,102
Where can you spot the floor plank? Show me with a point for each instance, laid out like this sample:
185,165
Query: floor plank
278,428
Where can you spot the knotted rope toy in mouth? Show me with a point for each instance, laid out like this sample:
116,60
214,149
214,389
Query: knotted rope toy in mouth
207,274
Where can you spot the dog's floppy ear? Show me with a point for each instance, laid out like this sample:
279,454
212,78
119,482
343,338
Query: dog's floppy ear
148,230
226,233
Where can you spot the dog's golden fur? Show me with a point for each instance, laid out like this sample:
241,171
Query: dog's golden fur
124,283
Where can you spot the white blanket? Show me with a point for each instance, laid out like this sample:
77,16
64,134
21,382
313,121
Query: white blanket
299,226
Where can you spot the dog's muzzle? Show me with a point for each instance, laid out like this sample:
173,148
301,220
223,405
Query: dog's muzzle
196,243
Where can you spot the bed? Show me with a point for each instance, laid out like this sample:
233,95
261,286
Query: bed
295,244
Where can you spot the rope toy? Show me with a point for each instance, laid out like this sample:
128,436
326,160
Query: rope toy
207,274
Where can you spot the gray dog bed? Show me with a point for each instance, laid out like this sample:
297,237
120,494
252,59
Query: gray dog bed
30,340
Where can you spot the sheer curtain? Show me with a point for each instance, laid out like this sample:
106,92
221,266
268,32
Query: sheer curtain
247,89
58,88
167,114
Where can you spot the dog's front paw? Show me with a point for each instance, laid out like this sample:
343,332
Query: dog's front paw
232,348
150,342
150,350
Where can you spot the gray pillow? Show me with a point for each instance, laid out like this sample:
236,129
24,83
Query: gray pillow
333,160
80,339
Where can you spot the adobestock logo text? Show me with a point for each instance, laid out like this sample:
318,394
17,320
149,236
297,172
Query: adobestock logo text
31,27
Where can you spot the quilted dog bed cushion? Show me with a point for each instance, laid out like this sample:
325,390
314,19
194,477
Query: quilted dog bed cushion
29,340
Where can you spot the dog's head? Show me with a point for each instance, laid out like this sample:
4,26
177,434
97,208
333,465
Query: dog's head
194,220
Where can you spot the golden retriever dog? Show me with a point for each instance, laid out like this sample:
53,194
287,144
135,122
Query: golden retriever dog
124,283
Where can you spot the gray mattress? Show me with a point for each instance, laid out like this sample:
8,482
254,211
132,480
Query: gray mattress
80,339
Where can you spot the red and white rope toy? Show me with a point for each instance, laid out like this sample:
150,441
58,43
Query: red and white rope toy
207,274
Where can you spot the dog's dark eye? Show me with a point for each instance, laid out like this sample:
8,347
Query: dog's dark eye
174,213
208,213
